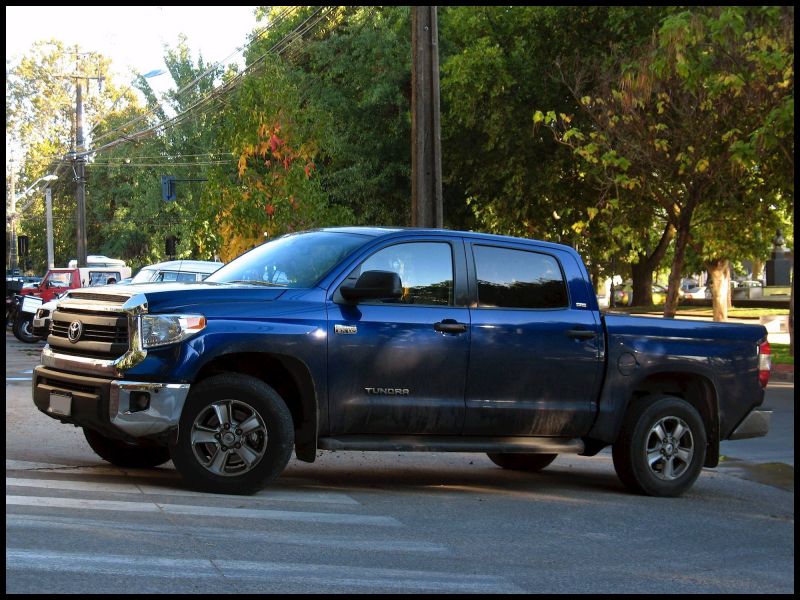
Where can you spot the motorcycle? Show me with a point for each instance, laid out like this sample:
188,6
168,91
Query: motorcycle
23,310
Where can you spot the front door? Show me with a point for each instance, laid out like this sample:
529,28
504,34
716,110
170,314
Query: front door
399,366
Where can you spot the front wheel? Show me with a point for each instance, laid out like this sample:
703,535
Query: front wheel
125,454
23,328
235,435
521,462
661,448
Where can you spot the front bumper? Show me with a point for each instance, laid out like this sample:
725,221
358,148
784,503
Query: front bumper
118,408
755,424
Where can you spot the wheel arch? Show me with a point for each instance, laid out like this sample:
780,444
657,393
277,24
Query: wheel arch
693,388
289,377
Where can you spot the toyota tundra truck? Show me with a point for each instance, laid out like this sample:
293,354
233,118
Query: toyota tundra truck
398,340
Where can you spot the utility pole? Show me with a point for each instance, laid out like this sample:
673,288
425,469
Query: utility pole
12,251
426,147
78,156
48,199
79,161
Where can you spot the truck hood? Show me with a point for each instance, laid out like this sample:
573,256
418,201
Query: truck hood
177,296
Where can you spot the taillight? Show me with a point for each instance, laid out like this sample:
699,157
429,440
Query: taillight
764,363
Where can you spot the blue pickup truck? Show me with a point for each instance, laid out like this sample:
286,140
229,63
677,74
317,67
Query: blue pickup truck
396,339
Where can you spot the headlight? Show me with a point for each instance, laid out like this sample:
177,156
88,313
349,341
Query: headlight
42,313
160,330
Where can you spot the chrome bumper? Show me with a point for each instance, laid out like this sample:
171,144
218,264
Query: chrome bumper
162,413
755,424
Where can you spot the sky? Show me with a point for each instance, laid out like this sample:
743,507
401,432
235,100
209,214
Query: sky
133,36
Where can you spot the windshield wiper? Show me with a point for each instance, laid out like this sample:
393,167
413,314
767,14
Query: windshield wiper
256,282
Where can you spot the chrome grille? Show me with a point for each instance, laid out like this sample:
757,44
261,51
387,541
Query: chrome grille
105,333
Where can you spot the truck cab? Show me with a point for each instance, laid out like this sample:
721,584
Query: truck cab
101,270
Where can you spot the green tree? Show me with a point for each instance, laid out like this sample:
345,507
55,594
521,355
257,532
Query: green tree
700,126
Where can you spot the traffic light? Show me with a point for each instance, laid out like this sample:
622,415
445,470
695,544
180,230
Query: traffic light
168,188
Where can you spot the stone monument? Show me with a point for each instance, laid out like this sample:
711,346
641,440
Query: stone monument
779,265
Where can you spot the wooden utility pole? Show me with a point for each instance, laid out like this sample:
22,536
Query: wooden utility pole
80,177
426,147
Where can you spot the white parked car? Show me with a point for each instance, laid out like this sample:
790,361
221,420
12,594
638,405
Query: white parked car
176,270
696,293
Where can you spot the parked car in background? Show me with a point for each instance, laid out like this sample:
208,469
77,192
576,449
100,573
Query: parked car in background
750,283
623,296
696,293
176,270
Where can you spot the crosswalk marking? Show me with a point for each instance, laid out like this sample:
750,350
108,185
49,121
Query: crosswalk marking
339,542
211,511
193,568
270,494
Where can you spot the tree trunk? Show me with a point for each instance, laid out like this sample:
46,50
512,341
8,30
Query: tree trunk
642,271
719,271
676,273
642,276
791,316
758,268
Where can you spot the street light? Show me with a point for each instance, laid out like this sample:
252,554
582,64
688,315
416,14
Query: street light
12,216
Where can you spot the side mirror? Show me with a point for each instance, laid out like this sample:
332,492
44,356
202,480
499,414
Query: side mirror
374,285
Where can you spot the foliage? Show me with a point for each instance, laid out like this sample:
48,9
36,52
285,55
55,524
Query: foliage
682,131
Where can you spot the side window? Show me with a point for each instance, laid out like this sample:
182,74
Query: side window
518,279
167,276
187,277
103,277
425,270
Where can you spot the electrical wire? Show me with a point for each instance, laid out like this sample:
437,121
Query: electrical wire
274,23
217,92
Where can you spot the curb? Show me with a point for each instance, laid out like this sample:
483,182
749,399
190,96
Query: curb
782,373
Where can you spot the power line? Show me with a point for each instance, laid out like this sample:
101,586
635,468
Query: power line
215,94
274,23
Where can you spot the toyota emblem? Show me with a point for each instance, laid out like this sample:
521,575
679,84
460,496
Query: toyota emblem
75,331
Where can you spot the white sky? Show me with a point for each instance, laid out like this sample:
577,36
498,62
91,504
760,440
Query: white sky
133,36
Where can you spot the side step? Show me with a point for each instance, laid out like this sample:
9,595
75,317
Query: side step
452,443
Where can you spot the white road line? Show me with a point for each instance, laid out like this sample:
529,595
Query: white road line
151,532
160,490
210,511
268,572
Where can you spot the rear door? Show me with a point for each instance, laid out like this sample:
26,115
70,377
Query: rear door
535,354
399,366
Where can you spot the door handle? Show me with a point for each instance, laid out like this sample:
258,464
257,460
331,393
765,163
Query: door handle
450,326
581,334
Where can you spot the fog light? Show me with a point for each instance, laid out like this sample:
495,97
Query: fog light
139,401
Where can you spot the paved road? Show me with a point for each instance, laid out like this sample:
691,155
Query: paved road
390,522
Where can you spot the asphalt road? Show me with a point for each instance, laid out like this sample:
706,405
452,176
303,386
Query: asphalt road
356,522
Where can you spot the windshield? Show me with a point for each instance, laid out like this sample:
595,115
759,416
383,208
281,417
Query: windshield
297,260
144,276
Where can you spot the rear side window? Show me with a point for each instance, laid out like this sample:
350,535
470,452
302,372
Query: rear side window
518,279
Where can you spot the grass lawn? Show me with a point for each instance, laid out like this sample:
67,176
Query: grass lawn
780,354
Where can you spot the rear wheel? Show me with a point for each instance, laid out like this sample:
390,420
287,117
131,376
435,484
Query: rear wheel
661,448
521,462
125,454
236,435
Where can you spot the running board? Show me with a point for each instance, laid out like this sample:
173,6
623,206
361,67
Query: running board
451,443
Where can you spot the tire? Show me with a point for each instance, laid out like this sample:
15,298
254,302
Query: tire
23,329
214,454
649,463
125,454
521,462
